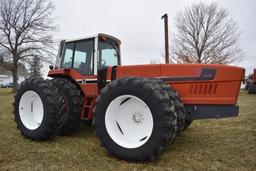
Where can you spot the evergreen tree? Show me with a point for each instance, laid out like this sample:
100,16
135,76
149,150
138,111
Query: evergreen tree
35,67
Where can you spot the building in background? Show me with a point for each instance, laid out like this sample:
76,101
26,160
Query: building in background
6,75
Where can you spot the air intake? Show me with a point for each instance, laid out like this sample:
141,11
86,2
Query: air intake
203,89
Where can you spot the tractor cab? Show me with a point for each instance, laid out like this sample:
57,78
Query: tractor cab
88,62
89,55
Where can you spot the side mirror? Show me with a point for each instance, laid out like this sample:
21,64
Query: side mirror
51,67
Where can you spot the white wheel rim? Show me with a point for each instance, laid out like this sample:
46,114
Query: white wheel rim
129,121
31,110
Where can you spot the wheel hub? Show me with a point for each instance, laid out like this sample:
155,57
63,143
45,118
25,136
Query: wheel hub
137,117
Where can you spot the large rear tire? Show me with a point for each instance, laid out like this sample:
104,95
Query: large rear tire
134,119
70,102
35,109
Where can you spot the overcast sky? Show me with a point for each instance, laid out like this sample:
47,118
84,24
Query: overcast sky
138,24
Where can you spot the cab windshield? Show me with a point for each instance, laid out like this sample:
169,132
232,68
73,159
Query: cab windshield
108,53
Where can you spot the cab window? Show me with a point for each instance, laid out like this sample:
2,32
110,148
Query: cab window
79,55
108,52
68,55
83,57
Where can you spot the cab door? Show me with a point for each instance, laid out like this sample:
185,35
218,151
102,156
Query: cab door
79,55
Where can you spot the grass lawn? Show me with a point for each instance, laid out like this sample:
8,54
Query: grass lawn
217,144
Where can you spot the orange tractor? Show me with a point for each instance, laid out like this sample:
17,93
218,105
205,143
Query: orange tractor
137,110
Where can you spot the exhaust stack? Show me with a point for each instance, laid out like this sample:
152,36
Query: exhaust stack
166,39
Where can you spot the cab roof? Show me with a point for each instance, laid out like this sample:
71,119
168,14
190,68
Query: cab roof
94,36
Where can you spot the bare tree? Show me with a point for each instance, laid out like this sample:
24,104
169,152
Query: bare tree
25,32
205,34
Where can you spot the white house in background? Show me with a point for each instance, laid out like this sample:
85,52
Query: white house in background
6,75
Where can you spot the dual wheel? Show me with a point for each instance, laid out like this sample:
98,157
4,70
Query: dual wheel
45,108
137,118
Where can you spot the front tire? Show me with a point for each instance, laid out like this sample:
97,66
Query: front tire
35,109
134,119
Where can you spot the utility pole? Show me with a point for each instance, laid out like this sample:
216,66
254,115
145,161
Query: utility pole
166,39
